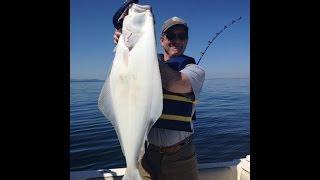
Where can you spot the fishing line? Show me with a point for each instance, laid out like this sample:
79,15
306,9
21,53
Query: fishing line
216,35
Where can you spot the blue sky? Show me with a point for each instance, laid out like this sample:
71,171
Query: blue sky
91,31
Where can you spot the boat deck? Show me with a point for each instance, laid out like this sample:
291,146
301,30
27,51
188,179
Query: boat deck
238,169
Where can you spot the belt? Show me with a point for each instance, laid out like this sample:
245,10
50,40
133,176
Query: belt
170,149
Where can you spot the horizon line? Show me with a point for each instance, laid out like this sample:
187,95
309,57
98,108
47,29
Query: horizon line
97,79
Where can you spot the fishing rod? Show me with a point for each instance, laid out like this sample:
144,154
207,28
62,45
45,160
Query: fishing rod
216,35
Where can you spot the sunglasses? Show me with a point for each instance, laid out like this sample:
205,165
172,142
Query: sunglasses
173,36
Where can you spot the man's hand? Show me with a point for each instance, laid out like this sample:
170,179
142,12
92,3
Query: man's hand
116,36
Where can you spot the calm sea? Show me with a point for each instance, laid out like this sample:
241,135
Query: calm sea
222,128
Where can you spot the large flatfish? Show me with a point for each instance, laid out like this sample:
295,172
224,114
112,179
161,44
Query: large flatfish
131,97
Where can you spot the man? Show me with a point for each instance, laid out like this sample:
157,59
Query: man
170,153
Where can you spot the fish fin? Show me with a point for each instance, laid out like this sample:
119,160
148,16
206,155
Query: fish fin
115,48
157,96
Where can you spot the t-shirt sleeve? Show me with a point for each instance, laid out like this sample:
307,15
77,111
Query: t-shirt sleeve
196,75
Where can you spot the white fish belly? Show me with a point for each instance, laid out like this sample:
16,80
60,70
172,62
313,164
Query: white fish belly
131,97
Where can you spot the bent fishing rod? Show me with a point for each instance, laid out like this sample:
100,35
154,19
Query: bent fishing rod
118,17
216,35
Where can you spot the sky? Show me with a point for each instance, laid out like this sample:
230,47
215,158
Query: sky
91,35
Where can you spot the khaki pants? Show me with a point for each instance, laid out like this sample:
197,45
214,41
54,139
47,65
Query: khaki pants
181,165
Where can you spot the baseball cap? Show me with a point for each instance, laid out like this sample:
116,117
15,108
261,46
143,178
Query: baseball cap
173,21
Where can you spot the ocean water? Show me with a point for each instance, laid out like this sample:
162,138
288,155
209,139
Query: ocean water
222,128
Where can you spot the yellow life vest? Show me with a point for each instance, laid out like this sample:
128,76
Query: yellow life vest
177,113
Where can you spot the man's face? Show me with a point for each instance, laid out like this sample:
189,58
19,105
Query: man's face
174,41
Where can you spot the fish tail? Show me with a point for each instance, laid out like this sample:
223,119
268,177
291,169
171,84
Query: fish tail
132,174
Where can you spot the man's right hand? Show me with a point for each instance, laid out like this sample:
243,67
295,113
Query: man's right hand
116,36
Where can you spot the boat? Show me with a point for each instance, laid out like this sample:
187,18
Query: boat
238,169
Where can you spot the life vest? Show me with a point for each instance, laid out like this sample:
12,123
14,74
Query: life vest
177,113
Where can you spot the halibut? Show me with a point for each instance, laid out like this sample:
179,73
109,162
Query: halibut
131,97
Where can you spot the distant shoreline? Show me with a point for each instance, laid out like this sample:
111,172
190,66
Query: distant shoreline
86,80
